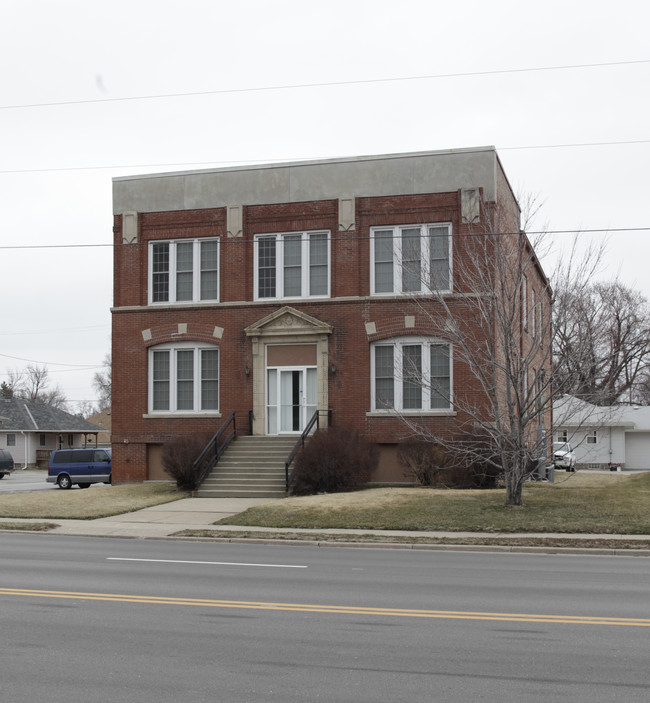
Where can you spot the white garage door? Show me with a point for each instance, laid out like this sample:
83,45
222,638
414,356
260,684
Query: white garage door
637,450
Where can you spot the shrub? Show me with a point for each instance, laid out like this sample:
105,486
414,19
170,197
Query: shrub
429,464
333,460
423,462
179,454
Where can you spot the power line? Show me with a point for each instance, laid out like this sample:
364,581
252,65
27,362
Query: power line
217,164
83,367
325,84
241,240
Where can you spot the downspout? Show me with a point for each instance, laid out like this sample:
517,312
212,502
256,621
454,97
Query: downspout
26,448
31,417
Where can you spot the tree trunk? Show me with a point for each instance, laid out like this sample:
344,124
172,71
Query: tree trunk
513,489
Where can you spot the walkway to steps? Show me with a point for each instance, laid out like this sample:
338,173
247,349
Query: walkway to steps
251,467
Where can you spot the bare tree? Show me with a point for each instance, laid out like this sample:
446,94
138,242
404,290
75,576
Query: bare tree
102,383
85,408
33,383
498,325
602,342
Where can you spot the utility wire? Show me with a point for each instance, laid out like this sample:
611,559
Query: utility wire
241,240
283,160
325,84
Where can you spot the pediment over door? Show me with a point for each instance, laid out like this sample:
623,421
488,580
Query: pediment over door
288,321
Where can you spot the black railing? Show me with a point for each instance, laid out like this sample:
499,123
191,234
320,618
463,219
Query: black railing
315,420
217,445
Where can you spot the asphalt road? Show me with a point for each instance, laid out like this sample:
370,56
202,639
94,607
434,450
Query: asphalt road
25,482
142,621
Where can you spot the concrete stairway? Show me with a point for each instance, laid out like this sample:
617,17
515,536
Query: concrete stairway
251,467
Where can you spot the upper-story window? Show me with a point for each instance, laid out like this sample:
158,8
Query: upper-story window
292,265
411,374
185,270
410,259
183,378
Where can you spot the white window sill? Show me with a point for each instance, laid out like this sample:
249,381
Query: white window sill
412,413
158,415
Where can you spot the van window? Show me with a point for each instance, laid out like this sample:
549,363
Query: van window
101,455
62,457
85,456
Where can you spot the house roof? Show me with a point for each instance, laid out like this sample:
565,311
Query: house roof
102,420
569,411
20,415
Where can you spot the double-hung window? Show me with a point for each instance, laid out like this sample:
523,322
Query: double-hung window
410,259
292,265
411,374
183,378
182,271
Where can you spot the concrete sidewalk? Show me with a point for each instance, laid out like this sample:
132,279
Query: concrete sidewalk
168,519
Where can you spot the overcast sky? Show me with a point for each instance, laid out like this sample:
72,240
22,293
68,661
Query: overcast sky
560,88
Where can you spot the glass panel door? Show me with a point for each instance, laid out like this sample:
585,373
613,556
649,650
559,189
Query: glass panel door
291,399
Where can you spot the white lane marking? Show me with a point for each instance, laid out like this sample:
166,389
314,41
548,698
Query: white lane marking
210,563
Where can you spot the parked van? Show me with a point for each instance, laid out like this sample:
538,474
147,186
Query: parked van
80,466
6,463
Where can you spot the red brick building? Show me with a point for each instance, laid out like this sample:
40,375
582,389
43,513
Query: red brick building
278,290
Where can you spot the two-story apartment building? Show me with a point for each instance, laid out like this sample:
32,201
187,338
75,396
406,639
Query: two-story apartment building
278,290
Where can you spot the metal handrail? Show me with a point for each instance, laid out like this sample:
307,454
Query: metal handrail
213,450
315,420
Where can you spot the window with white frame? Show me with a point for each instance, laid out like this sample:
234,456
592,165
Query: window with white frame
533,312
410,259
183,378
184,270
411,374
11,439
524,300
563,436
591,437
292,265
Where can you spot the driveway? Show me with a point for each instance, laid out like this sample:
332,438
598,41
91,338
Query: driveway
26,481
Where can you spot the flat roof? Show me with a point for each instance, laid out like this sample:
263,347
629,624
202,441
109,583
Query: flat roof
300,181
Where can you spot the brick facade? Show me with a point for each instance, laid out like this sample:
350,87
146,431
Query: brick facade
342,326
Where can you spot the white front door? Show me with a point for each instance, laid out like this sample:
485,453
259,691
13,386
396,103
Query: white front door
291,399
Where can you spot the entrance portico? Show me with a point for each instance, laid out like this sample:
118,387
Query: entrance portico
290,370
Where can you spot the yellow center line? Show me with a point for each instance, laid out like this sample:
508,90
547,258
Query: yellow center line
330,609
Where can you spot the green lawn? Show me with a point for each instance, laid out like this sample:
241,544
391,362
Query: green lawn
88,504
587,503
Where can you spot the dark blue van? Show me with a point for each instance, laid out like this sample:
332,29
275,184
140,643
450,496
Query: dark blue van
80,466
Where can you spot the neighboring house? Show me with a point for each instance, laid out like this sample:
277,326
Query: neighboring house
31,430
604,437
275,291
102,420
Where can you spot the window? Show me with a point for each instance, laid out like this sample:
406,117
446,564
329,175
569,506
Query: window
41,440
183,378
294,265
592,437
533,311
563,436
524,301
411,374
410,259
184,271
11,440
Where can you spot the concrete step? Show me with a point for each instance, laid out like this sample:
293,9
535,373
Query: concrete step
251,467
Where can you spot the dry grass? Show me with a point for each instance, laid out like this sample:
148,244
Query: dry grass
581,503
94,502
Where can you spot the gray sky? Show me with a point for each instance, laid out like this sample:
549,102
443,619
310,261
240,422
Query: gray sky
292,80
